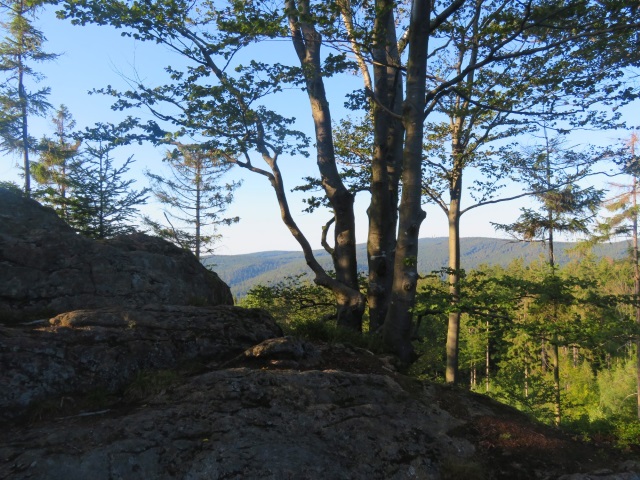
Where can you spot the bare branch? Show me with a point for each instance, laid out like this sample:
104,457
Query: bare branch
347,18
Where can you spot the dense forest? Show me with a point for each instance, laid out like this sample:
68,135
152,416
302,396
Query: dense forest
462,104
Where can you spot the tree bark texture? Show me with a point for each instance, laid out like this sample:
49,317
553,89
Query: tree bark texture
397,327
22,94
453,328
385,165
307,42
557,406
636,278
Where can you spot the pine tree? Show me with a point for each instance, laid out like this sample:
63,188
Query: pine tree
52,171
195,191
21,47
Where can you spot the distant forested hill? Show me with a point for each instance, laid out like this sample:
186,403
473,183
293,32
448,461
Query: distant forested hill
241,272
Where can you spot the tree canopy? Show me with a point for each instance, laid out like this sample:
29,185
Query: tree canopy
415,59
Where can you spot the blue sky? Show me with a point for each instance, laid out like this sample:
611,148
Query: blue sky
94,57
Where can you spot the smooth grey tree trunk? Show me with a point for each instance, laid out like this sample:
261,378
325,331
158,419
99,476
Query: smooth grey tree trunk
307,42
453,328
398,324
385,166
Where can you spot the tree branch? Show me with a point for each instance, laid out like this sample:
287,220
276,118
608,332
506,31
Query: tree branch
325,231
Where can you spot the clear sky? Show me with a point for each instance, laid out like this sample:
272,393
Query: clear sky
94,57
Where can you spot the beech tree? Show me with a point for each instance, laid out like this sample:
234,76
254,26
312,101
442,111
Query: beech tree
222,102
19,50
195,191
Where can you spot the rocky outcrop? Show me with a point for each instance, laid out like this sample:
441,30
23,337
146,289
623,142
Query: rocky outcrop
46,268
282,408
138,385
250,424
82,351
258,421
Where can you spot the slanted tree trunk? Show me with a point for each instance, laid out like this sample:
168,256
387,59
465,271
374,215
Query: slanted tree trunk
307,42
346,297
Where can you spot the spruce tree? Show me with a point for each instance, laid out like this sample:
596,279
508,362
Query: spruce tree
624,221
195,195
21,47
566,208
103,202
52,170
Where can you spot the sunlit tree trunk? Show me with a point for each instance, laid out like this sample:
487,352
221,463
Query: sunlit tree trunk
473,375
198,210
555,359
636,277
453,328
553,342
25,132
307,42
487,363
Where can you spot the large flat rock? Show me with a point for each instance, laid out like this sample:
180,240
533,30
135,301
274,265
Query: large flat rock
90,350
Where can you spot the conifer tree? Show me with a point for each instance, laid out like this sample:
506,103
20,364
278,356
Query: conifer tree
566,208
52,171
624,221
103,202
21,47
196,196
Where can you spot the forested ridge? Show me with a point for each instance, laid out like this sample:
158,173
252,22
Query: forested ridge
242,272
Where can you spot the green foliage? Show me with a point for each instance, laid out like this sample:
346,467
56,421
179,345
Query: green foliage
14,187
429,365
102,201
516,313
552,171
19,50
194,196
293,301
627,432
51,172
306,310
618,389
